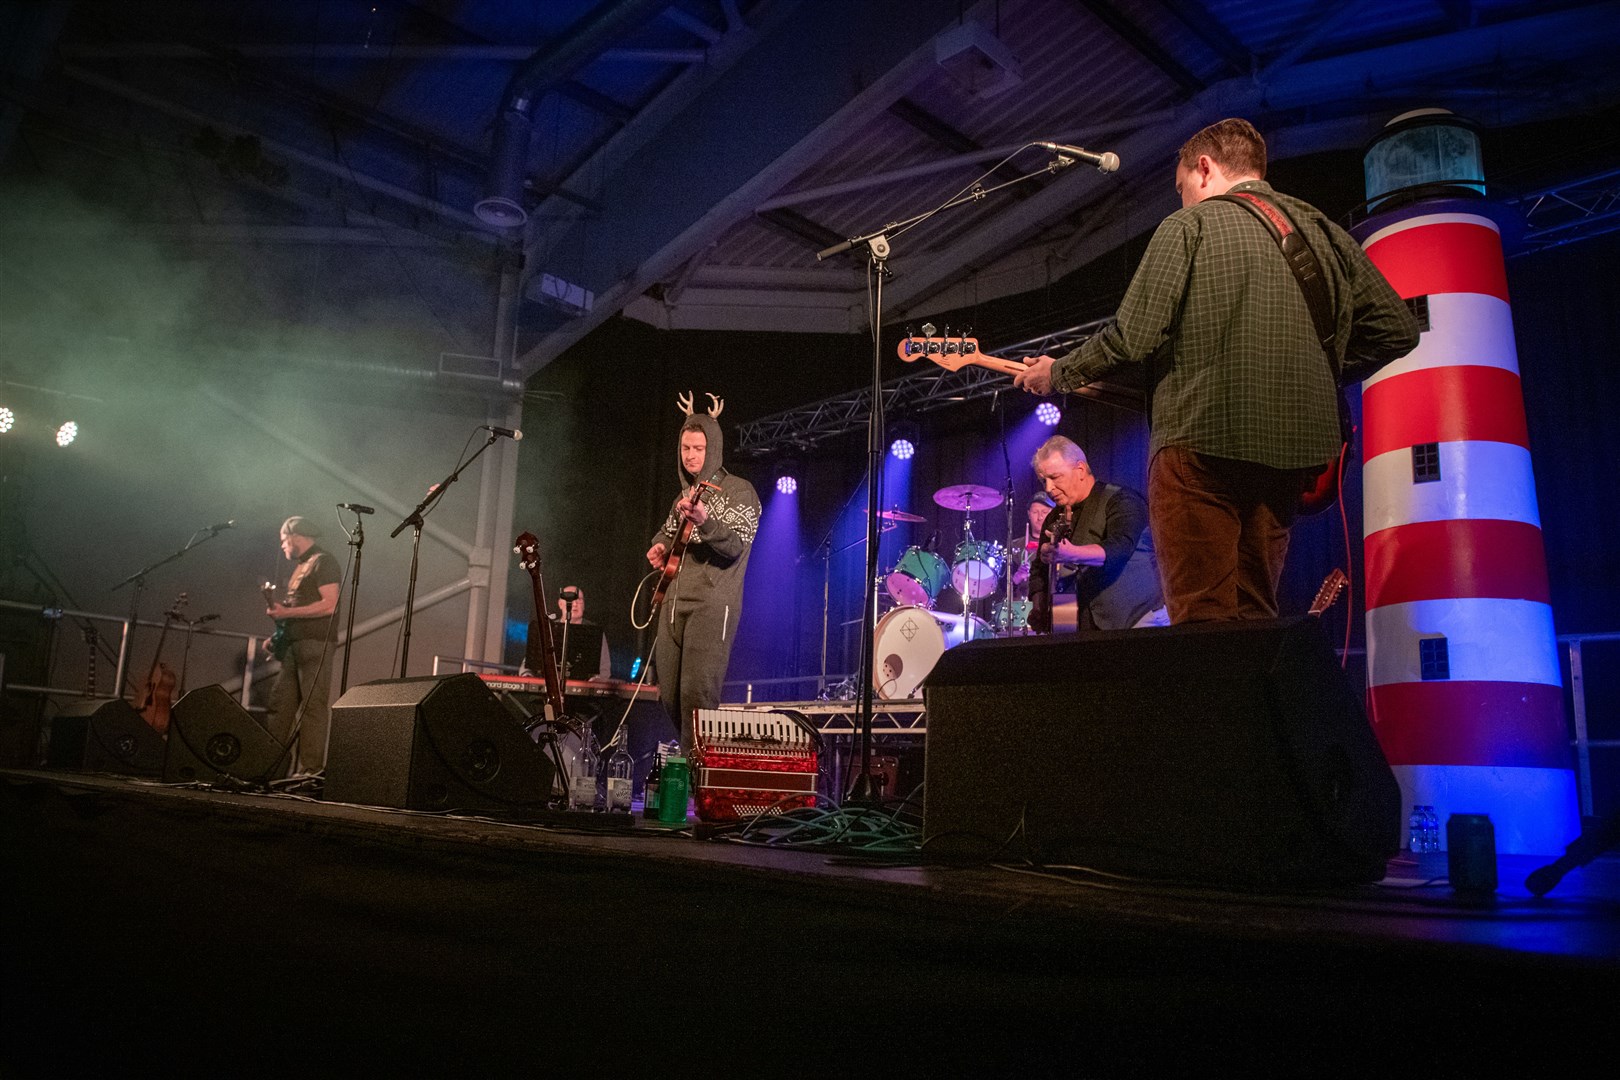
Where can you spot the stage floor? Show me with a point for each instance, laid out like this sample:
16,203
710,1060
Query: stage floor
195,930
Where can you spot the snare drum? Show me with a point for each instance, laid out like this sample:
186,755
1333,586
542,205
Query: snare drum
1015,621
908,643
917,578
977,567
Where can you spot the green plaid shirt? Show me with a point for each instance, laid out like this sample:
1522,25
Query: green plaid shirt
1238,367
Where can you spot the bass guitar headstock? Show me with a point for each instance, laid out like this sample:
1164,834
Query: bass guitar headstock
950,353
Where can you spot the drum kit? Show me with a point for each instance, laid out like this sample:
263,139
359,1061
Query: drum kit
912,636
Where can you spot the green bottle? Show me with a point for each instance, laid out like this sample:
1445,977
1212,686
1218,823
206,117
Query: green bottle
672,784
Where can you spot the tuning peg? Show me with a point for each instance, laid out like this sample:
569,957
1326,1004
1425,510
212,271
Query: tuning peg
928,329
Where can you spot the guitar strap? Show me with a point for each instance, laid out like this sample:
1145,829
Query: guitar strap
1308,272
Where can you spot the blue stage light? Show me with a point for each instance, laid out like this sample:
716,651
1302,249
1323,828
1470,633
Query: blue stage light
902,449
1048,413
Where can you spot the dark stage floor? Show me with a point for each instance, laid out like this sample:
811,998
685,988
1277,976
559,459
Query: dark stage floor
183,931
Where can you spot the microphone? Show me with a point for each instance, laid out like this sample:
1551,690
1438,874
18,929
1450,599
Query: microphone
511,433
568,596
357,508
932,540
222,526
1108,162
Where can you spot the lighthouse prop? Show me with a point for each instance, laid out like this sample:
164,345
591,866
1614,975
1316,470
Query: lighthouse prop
1465,691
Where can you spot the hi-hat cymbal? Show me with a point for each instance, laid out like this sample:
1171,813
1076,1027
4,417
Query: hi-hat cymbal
899,515
969,497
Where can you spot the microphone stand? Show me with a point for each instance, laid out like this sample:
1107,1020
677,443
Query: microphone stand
357,540
138,579
877,243
415,520
1006,460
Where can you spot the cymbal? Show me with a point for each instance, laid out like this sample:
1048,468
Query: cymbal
899,515
967,497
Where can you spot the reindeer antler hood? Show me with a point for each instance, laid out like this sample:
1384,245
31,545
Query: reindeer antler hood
716,443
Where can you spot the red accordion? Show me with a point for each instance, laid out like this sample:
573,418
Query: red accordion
748,763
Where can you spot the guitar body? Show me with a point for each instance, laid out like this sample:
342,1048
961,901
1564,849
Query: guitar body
1323,492
672,561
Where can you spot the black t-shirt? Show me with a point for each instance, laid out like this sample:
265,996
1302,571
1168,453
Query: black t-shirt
315,569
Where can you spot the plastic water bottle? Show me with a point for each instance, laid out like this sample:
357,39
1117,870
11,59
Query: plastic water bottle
620,778
1417,830
1431,828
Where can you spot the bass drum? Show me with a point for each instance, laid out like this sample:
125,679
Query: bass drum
908,643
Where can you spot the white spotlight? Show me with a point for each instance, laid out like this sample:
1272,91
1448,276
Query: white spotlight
67,433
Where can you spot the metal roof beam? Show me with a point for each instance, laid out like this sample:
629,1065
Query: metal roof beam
1213,33
1150,50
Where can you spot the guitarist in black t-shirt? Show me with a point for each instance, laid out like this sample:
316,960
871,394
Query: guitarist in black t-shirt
305,617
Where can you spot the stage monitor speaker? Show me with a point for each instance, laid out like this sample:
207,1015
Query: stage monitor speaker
211,737
104,735
433,743
1233,753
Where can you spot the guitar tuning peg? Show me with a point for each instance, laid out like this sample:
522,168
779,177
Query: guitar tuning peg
928,329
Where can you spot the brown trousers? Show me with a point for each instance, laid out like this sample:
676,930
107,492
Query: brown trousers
1221,530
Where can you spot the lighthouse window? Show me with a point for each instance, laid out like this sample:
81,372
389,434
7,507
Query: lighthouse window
1425,463
1433,658
1419,306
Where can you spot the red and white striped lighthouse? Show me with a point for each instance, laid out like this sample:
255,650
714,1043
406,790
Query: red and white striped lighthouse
1465,689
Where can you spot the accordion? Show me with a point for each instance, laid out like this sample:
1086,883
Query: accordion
748,763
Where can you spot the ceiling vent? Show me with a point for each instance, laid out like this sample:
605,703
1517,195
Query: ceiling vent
978,60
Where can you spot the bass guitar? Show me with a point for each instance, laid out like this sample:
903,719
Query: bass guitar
1064,606
278,642
527,547
672,561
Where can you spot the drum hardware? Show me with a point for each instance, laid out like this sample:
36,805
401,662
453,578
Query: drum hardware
897,514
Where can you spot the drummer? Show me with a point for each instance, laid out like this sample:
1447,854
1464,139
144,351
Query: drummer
1040,504
1097,537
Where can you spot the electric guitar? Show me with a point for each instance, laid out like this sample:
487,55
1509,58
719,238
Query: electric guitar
528,553
672,561
954,354
278,642
1065,612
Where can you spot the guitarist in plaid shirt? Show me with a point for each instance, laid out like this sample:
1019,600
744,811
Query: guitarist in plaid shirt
1244,410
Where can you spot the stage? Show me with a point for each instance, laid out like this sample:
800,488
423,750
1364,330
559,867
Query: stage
188,931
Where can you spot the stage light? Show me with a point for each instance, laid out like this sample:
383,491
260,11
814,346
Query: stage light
1048,413
907,436
67,433
7,419
786,475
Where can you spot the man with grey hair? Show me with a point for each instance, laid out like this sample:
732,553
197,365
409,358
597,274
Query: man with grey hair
306,623
1094,550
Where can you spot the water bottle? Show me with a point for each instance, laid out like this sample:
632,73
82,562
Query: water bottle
1417,830
620,778
1431,828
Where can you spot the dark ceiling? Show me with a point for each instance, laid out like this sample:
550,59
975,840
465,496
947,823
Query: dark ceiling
682,162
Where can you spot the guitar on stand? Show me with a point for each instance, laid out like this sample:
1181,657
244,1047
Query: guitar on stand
161,680
553,719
